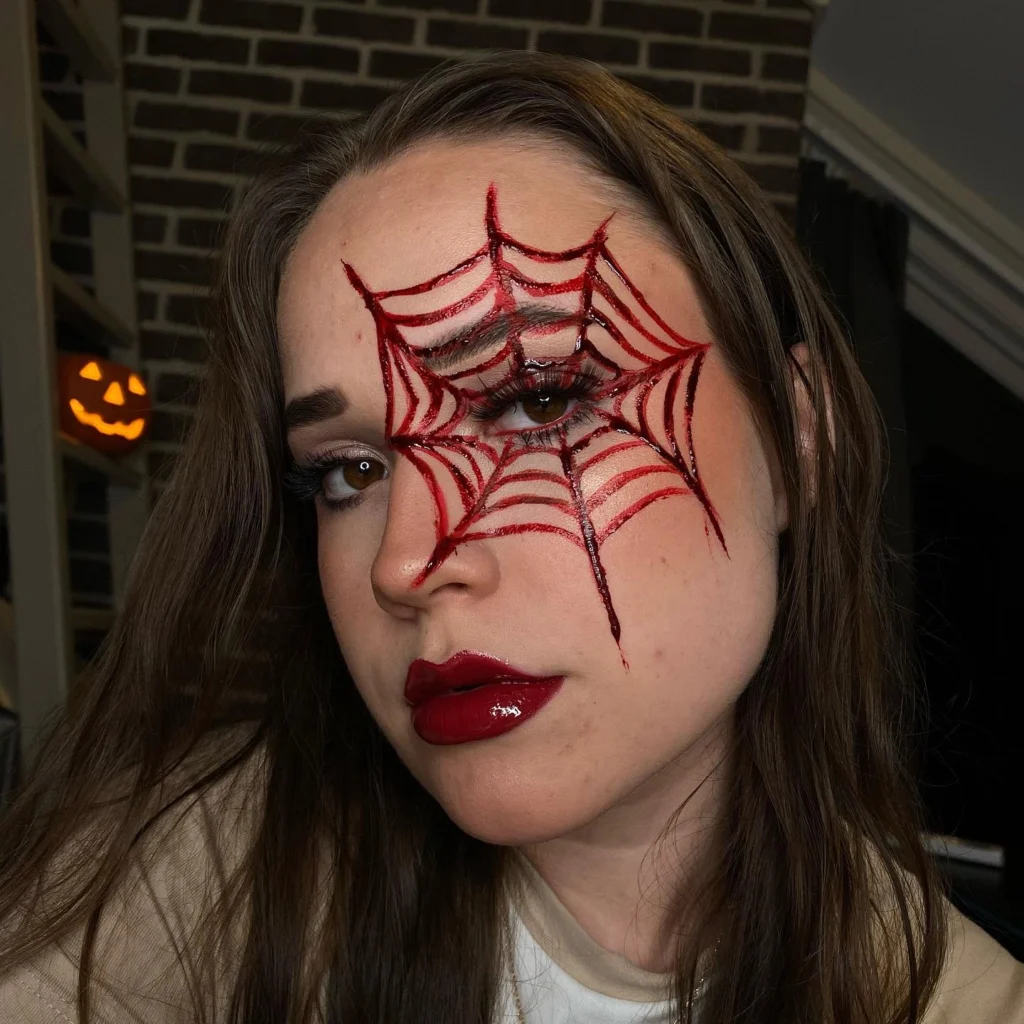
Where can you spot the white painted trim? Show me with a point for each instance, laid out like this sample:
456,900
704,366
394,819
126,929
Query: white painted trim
918,182
968,307
965,265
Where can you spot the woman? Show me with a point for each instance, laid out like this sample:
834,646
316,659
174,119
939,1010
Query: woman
533,499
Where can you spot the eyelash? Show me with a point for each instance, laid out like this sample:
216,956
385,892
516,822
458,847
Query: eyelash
305,480
579,385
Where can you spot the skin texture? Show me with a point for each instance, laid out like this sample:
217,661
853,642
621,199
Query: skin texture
586,786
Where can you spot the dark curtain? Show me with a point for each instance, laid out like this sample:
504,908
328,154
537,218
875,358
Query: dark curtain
954,507
859,248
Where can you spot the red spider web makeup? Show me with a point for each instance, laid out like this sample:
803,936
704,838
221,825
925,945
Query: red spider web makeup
582,483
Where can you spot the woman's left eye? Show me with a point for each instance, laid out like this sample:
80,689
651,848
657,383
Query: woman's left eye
538,407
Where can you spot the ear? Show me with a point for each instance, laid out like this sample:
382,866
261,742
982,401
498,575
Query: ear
799,360
805,427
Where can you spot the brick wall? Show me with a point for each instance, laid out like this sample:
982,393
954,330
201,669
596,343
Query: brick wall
209,81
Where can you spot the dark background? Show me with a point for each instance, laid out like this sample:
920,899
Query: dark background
954,514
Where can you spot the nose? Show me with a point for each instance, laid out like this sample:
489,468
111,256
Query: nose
404,581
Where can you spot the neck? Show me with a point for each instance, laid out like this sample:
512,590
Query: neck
622,874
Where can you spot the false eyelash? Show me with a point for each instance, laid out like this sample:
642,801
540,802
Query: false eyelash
305,481
579,384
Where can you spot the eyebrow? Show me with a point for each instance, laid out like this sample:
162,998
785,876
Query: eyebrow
326,403
465,342
323,404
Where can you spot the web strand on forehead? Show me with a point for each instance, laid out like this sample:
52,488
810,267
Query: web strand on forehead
645,400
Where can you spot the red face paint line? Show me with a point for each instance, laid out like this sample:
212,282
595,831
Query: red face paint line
646,384
472,697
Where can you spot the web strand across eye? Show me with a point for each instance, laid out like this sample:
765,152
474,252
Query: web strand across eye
644,407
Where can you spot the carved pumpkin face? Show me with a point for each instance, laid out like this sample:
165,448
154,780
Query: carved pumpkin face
103,404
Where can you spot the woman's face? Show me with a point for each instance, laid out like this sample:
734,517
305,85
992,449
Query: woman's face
528,449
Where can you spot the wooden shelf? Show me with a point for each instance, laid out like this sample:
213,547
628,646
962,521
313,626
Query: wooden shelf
37,298
78,307
75,166
78,39
92,618
82,455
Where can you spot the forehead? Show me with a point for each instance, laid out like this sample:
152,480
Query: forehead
421,215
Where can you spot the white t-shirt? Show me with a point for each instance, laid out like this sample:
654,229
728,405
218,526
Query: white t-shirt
550,995
565,977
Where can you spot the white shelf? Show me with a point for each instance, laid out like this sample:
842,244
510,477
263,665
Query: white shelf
73,164
77,306
34,295
78,39
988,854
82,455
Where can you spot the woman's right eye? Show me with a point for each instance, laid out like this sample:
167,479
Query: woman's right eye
349,477
335,480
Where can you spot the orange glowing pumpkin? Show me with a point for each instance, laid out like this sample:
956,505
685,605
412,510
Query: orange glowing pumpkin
103,404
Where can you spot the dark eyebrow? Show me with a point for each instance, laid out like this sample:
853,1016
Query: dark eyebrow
323,404
326,403
461,344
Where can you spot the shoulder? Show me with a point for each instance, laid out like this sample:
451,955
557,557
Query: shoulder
208,825
981,983
152,944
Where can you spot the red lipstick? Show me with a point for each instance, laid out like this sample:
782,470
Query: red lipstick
473,697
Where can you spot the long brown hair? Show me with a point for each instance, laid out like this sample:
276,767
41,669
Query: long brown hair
353,893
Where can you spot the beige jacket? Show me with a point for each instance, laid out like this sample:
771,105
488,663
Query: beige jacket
143,983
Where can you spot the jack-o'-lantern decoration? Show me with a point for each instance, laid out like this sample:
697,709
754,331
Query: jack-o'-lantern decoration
103,404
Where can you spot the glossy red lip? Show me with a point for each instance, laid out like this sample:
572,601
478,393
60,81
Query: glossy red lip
473,697
426,680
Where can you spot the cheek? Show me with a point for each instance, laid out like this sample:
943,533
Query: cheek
699,617
346,544
345,547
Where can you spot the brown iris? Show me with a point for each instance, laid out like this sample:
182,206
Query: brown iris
545,406
360,473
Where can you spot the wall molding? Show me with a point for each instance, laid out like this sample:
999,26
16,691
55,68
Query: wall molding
965,265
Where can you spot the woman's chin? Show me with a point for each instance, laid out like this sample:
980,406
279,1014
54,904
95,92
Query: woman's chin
502,830
519,817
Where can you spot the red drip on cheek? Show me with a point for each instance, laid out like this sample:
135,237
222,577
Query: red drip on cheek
439,443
